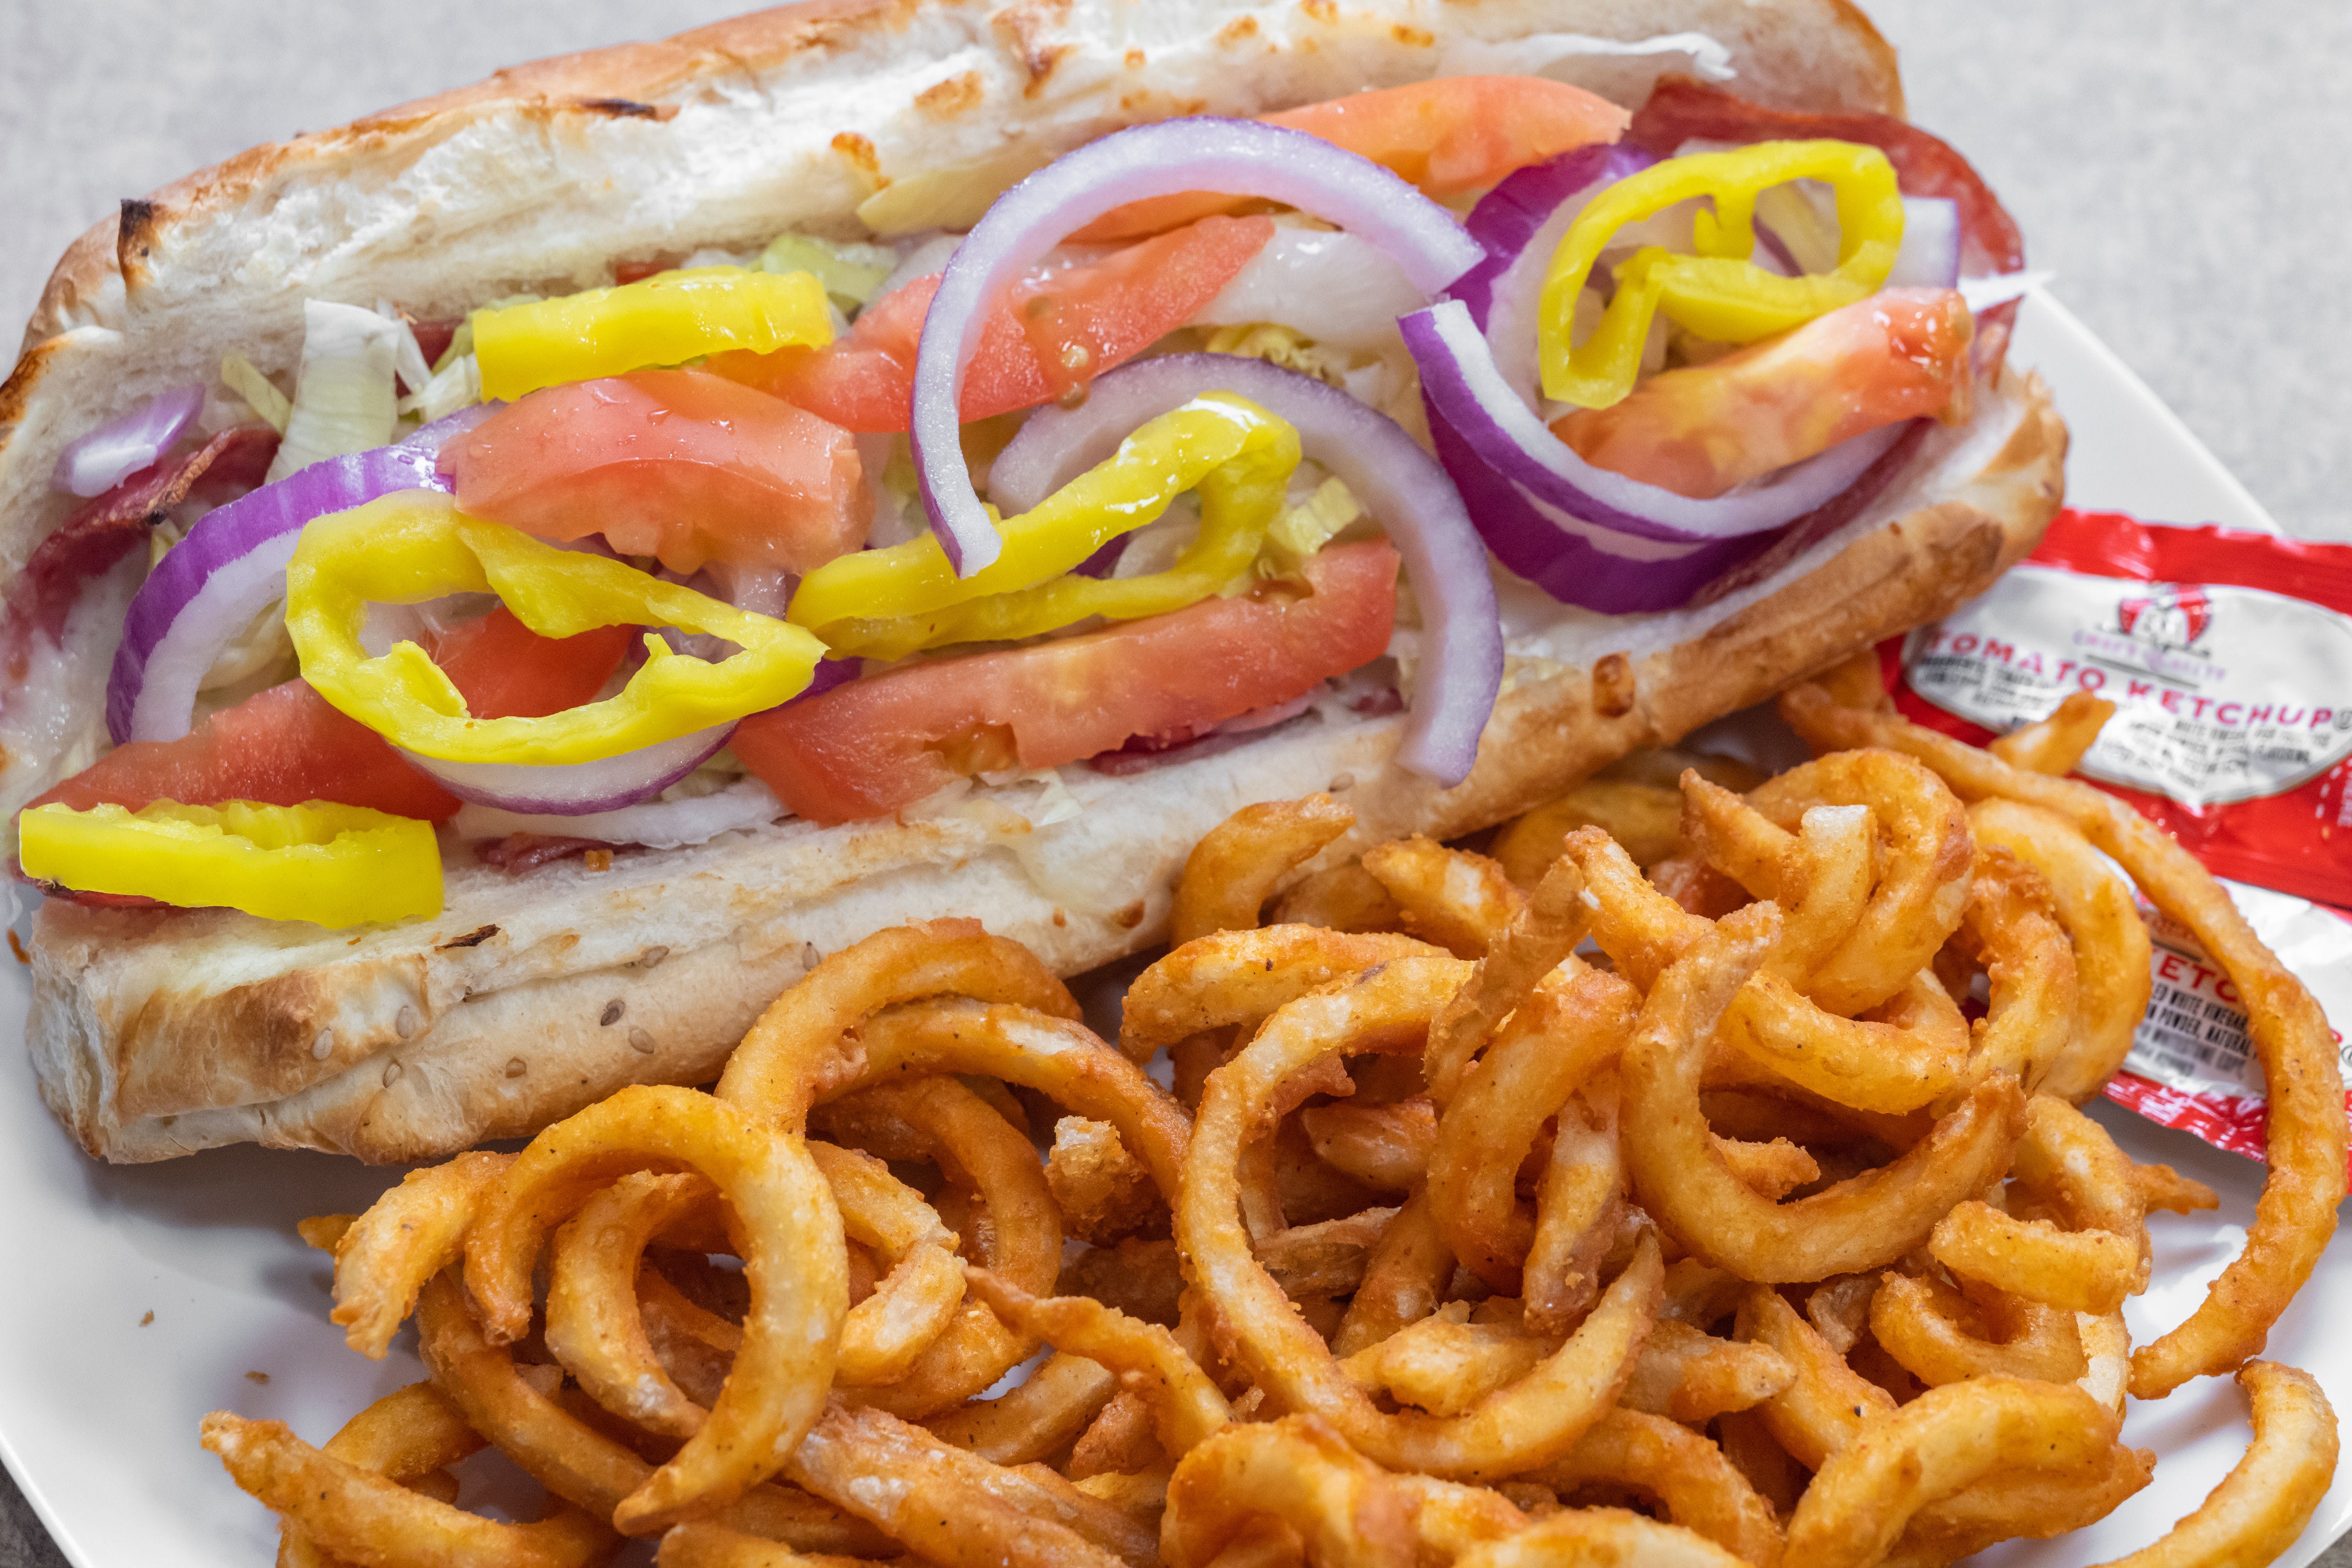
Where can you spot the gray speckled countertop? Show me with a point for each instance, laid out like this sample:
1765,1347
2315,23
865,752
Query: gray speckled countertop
2185,167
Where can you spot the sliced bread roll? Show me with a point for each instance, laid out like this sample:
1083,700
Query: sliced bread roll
161,1032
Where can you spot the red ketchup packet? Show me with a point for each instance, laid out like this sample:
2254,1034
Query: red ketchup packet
2229,656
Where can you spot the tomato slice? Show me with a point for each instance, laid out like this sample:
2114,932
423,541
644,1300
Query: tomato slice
282,746
872,746
681,465
288,745
1057,328
506,670
1450,135
1903,353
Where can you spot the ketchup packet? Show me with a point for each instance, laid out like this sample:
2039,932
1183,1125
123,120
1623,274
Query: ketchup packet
2229,656
2190,1065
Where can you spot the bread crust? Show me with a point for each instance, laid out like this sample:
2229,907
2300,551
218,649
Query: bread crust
156,1033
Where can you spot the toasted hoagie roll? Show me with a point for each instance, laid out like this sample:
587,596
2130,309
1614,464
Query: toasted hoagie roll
157,1031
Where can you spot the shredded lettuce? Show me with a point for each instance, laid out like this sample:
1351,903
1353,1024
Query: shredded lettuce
408,354
1277,345
264,645
889,465
1382,378
1303,529
241,377
461,345
458,385
852,273
455,381
344,399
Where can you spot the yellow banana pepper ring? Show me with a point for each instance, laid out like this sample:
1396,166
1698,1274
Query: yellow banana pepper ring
332,865
667,318
1718,294
888,603
414,545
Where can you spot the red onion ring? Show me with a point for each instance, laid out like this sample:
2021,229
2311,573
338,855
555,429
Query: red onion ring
651,825
575,789
232,566
1461,379
433,437
606,785
1521,222
1823,520
1237,157
96,463
1461,670
1573,528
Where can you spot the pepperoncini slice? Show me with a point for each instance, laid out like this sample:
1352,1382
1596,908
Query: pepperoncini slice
1718,294
888,603
414,545
329,864
667,318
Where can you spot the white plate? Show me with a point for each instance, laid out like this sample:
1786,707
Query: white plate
99,1409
